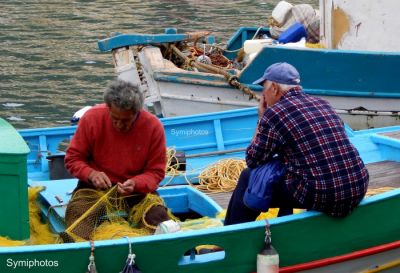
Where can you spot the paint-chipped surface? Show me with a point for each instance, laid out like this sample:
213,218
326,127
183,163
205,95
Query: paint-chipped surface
363,25
341,25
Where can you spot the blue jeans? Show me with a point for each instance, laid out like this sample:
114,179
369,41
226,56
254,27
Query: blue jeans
238,212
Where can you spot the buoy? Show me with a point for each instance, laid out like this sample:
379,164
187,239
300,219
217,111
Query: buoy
268,257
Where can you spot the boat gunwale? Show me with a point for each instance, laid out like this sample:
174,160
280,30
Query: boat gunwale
192,234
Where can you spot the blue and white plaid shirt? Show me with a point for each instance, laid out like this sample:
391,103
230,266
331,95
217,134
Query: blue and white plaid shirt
324,170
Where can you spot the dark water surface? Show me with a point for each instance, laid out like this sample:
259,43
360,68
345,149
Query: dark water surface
49,62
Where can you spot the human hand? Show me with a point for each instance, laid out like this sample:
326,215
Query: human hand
127,187
100,180
262,106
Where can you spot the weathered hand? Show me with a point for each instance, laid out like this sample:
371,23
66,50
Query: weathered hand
262,106
126,187
100,180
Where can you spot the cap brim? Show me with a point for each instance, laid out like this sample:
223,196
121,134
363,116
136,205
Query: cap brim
260,81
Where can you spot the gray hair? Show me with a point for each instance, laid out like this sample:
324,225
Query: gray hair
124,96
286,87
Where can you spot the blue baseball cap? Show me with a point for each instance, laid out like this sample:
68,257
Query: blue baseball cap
283,73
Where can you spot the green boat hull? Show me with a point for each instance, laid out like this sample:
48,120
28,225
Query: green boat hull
298,238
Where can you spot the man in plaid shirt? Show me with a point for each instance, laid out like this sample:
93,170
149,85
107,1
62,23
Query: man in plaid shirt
319,169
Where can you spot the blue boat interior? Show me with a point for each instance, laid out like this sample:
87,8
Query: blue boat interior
376,145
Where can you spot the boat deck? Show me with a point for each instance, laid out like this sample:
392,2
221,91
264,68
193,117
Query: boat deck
395,134
382,174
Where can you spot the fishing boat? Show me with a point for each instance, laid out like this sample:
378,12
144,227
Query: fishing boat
180,75
306,242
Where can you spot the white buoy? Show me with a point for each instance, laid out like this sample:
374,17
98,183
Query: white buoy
268,257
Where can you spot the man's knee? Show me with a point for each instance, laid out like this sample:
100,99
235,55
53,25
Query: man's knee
156,215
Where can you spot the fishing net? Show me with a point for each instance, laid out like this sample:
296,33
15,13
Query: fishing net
201,223
86,210
100,215
108,230
214,54
197,48
5,241
40,231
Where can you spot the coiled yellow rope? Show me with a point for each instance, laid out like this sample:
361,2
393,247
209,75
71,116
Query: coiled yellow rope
221,176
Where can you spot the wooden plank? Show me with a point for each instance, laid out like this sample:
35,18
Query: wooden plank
382,174
395,134
222,198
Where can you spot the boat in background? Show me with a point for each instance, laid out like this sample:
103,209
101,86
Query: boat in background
310,240
358,84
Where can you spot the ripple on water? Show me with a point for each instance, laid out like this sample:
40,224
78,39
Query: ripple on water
13,118
13,104
49,60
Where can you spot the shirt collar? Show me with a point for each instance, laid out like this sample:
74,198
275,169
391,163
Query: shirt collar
293,91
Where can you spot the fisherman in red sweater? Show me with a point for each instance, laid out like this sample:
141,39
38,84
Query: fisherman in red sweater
118,143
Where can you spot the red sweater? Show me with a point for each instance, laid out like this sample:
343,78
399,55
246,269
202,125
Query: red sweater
139,154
